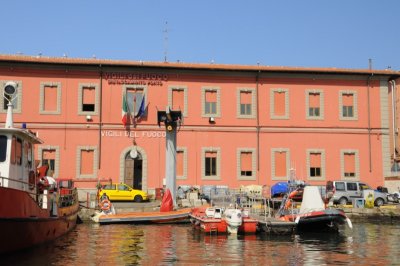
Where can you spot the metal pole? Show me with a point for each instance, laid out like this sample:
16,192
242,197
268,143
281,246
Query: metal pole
170,164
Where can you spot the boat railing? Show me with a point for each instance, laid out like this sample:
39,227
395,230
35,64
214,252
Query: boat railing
22,185
67,197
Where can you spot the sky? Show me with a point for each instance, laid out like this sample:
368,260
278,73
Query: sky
294,33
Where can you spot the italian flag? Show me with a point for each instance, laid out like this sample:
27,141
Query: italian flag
125,113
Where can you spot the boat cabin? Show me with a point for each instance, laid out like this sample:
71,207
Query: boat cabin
17,164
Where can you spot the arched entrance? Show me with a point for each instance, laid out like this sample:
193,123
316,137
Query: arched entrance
133,167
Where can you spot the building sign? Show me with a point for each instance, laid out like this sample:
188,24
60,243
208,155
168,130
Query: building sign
154,79
133,134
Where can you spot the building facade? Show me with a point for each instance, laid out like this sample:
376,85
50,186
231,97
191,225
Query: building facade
241,125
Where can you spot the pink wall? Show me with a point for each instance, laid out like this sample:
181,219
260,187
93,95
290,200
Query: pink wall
69,130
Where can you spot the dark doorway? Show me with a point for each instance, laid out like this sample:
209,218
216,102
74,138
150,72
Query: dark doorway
133,171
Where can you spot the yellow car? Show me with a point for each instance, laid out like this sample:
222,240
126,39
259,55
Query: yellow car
122,192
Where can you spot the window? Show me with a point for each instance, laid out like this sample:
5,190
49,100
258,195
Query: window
50,98
210,102
339,186
279,103
135,95
16,151
280,163
211,163
123,187
88,99
49,158
16,99
316,164
246,164
13,155
177,98
179,163
246,102
134,98
3,148
351,186
50,155
210,105
348,105
314,104
87,157
349,164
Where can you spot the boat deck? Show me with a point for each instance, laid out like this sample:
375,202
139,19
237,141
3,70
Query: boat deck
181,215
274,225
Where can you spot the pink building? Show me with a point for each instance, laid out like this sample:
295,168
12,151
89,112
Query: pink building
242,125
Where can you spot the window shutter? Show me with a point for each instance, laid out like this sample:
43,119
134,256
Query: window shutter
280,164
246,161
279,103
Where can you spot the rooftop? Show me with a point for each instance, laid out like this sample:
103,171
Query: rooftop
191,66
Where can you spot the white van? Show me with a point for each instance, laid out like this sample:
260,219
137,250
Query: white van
345,191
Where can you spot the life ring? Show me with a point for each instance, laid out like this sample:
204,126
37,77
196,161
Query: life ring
105,205
31,180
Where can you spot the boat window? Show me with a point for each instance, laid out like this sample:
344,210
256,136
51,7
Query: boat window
18,151
13,144
3,148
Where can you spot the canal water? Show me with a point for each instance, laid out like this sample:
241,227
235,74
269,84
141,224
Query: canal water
92,244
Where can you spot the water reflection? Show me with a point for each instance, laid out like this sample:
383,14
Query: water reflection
91,244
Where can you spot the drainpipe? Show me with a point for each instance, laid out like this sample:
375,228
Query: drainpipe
394,128
369,122
258,127
100,113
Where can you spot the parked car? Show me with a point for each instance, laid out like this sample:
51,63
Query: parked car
345,191
122,192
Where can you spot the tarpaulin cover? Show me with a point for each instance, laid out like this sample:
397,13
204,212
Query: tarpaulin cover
279,188
167,204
